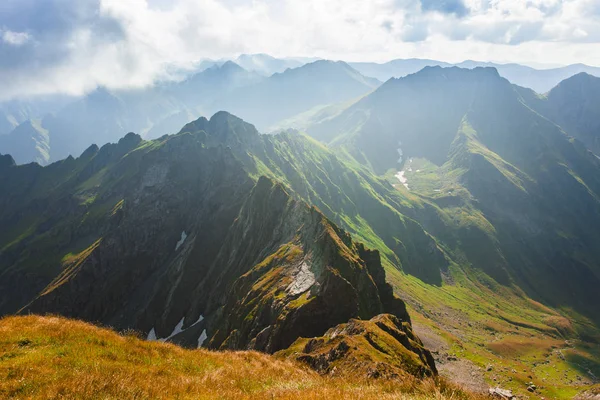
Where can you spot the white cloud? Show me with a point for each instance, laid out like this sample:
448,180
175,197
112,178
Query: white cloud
82,44
15,38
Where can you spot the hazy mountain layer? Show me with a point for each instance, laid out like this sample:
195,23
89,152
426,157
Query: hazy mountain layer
573,105
296,90
104,116
540,80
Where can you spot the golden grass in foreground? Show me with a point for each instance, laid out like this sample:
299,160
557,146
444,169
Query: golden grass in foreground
54,357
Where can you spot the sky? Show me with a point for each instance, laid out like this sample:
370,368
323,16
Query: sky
74,46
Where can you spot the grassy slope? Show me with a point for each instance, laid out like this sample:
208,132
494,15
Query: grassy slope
474,316
494,325
51,357
478,319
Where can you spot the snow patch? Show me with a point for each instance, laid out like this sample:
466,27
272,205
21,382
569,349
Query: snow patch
400,176
151,335
303,280
177,330
183,237
202,338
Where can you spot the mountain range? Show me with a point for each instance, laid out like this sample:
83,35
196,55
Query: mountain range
487,150
539,80
271,92
104,115
451,208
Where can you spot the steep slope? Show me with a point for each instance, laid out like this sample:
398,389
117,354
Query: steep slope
509,200
573,104
510,164
418,115
454,269
201,90
296,90
27,142
368,348
49,357
173,237
15,112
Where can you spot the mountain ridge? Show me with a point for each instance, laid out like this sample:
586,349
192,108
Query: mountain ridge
262,267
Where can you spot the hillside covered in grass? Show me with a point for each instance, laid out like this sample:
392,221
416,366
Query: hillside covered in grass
53,357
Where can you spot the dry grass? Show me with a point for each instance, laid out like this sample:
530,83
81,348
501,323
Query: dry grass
513,347
53,357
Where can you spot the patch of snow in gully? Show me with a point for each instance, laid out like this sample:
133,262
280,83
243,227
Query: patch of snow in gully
177,330
202,338
151,335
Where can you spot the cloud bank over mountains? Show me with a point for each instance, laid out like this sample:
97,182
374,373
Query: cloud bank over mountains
74,46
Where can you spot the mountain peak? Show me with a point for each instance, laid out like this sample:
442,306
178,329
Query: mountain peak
6,160
582,77
457,72
578,83
130,139
328,64
90,151
230,65
223,128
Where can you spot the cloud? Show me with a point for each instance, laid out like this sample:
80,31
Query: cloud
15,38
74,46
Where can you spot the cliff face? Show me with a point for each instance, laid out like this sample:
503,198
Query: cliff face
176,239
308,277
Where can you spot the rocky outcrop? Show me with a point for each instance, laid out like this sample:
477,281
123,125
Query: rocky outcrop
382,347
